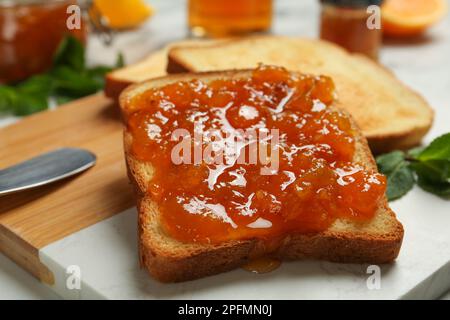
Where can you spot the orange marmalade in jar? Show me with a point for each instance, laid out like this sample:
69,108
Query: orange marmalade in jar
313,177
223,18
352,24
30,32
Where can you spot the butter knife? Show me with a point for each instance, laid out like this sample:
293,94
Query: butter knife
44,169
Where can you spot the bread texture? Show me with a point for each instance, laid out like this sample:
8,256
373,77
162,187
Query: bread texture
153,66
168,260
391,115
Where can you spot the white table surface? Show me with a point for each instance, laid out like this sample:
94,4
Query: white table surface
293,18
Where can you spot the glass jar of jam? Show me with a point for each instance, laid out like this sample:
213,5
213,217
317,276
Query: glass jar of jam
30,32
222,18
352,24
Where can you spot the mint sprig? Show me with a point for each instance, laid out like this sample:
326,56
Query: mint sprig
428,167
68,79
400,177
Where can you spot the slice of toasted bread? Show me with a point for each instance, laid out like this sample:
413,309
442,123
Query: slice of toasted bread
390,115
153,66
168,260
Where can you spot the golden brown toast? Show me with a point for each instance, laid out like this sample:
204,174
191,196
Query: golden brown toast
390,115
153,66
168,260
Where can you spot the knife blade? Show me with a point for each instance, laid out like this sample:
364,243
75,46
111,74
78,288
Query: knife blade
44,169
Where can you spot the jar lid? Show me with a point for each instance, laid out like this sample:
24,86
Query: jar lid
352,3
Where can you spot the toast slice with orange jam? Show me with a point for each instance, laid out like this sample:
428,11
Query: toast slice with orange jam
323,198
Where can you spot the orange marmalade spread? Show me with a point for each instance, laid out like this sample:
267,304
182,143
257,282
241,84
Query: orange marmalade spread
310,182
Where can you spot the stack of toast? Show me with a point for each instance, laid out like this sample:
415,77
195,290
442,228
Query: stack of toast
385,114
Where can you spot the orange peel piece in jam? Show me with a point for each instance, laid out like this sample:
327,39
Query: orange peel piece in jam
314,180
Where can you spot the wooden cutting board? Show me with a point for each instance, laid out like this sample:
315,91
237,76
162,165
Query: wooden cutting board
33,219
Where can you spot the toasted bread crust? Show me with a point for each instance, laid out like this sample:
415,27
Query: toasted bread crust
168,260
114,86
378,142
175,65
151,67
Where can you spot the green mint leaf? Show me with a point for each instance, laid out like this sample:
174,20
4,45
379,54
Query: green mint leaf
8,99
433,170
432,166
99,71
28,104
69,82
22,100
98,74
414,152
37,85
400,177
400,181
439,149
439,189
388,162
70,53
